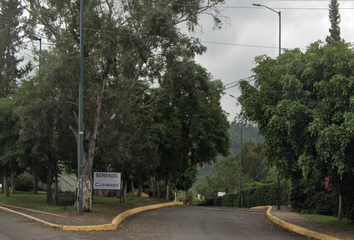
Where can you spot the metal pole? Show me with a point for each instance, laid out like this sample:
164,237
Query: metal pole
240,187
81,104
240,193
279,14
39,74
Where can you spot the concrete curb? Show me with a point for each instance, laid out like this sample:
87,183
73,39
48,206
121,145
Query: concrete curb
117,220
105,227
297,229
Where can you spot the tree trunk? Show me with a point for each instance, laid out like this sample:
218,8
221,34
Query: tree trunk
5,182
13,184
167,189
49,183
35,175
140,188
133,189
2,180
56,179
153,185
125,185
340,204
89,145
158,188
87,182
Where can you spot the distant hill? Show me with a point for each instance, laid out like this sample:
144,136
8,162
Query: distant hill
248,132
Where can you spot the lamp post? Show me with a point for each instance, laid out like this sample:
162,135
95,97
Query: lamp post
240,190
39,74
279,14
80,122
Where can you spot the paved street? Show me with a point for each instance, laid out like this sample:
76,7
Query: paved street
204,223
173,223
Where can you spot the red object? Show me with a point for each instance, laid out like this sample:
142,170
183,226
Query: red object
187,203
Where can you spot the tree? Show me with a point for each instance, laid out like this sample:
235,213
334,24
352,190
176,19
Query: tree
9,133
124,43
10,73
334,18
302,103
10,12
194,128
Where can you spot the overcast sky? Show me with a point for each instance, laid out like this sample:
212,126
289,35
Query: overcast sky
253,31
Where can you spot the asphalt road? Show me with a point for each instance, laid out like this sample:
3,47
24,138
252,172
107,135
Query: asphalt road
205,223
172,223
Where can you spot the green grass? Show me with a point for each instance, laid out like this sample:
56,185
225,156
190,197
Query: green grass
333,221
100,203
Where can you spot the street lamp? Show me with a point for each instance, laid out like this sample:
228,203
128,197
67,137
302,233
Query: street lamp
39,75
279,14
240,191
80,144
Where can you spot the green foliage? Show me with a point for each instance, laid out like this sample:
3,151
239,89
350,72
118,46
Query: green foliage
10,41
249,132
313,197
330,220
149,109
189,195
302,103
193,128
185,179
334,18
24,182
255,168
262,195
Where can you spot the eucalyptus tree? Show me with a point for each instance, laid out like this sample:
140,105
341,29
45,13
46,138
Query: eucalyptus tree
124,42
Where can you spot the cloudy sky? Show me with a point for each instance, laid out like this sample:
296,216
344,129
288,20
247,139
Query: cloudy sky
253,31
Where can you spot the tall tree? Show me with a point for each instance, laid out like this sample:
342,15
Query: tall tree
10,73
124,42
194,128
334,18
10,13
9,133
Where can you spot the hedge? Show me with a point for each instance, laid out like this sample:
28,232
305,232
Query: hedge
266,194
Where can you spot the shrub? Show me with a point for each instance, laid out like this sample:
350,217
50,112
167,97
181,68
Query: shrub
265,194
24,182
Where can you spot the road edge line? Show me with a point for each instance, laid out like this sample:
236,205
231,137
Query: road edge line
51,225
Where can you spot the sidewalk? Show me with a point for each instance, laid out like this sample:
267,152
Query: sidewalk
287,215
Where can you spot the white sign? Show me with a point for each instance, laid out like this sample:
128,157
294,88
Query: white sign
106,181
220,194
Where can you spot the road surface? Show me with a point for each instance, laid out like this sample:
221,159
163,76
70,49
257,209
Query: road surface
172,223
205,223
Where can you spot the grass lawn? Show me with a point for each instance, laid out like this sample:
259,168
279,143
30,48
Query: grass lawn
100,203
333,221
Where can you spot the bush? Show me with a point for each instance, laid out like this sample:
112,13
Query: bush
266,194
24,182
